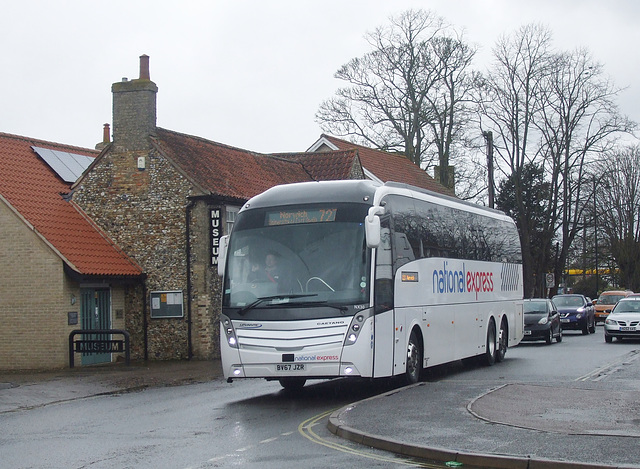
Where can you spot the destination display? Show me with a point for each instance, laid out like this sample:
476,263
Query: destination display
297,216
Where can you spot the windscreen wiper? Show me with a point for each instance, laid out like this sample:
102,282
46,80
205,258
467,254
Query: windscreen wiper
341,308
262,299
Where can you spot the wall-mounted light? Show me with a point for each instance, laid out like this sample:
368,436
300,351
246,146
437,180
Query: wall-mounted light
142,163
73,299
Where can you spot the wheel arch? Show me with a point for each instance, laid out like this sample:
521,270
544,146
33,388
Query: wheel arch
416,327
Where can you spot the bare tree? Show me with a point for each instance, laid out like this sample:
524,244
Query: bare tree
618,202
556,110
407,93
451,103
509,104
578,120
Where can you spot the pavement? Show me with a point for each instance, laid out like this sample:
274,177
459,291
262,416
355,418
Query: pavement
589,424
23,390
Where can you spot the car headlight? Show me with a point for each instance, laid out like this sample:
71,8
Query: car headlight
578,316
580,310
543,321
611,322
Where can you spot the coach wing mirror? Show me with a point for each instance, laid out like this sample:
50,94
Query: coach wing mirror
222,254
372,226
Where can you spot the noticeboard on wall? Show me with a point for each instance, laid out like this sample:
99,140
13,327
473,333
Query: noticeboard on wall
167,304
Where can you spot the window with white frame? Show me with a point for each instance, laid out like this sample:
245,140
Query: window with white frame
231,215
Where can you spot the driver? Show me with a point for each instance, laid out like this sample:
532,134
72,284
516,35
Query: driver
270,272
271,268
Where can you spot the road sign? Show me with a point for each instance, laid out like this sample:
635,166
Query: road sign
551,280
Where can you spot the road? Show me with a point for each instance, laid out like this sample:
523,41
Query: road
255,423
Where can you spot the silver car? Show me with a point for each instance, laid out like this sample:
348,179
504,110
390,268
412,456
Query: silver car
624,320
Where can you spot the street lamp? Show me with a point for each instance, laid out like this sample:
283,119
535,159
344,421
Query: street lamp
595,233
488,136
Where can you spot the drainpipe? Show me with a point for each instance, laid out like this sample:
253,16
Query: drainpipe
144,317
188,253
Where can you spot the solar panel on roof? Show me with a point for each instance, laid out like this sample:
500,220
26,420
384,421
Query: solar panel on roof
69,166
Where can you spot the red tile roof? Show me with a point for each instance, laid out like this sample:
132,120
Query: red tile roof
326,166
232,172
391,167
34,191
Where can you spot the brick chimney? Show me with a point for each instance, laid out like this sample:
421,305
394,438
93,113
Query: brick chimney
134,110
106,137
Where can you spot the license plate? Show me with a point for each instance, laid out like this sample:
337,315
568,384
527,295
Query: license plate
290,367
564,320
627,329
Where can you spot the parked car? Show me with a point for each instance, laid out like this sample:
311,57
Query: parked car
541,320
624,320
576,312
607,301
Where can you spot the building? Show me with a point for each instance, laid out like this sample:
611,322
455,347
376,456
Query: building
381,166
164,198
58,271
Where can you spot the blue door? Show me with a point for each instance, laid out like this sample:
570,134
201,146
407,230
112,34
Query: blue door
96,314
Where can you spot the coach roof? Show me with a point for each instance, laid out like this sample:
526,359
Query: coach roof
359,190
356,191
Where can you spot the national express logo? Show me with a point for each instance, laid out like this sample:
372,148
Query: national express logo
460,280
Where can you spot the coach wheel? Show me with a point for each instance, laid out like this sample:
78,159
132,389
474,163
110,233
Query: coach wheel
414,359
503,341
490,349
292,384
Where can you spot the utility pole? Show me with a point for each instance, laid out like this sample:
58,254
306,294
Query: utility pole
595,234
488,136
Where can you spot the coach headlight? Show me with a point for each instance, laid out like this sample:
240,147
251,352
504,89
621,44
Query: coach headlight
355,328
230,333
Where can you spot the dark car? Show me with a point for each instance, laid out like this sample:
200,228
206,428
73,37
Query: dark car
541,320
624,320
576,312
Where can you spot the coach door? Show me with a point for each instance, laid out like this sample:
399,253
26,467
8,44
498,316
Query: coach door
384,324
96,314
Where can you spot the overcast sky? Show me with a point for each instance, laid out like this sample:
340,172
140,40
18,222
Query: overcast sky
250,73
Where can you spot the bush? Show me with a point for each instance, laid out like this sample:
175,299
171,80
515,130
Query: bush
587,286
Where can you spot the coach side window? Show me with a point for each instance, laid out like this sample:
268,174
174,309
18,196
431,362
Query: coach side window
402,250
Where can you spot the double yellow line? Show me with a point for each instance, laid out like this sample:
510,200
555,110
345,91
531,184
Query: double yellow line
306,430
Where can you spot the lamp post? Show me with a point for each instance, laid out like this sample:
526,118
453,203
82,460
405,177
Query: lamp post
595,233
488,136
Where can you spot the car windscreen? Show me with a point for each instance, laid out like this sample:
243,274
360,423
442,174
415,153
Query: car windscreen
535,307
627,307
568,301
609,299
